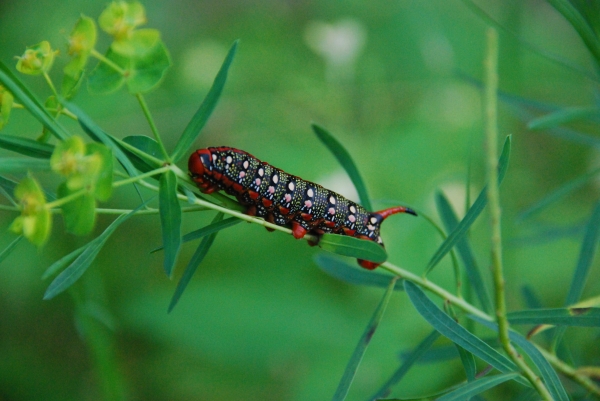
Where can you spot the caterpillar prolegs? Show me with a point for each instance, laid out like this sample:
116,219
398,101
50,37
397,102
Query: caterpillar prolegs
282,198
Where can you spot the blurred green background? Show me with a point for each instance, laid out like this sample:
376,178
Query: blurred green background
260,321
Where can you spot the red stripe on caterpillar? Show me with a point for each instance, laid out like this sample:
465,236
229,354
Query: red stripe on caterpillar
282,198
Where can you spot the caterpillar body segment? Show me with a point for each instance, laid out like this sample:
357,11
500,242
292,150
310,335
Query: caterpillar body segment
283,198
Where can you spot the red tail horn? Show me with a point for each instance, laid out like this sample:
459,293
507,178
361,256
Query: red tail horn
393,210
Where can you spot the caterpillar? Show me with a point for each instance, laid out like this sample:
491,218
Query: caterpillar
281,198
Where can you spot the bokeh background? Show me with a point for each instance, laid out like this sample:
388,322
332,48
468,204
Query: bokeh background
394,81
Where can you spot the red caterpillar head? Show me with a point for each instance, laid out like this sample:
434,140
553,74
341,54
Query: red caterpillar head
200,165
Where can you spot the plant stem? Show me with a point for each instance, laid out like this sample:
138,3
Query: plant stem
66,199
50,84
141,176
108,62
146,111
491,130
559,365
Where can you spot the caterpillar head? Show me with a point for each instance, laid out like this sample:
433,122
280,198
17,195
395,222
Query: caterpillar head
374,225
200,166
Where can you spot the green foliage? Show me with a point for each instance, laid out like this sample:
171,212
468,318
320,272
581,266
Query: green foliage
34,222
77,177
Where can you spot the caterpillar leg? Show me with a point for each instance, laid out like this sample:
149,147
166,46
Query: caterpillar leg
367,264
298,231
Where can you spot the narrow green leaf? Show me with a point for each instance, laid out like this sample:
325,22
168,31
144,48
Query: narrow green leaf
562,116
63,262
76,269
22,165
478,386
547,373
354,275
197,122
207,230
403,369
353,247
558,194
193,264
473,212
170,219
363,343
28,100
584,263
579,317
10,248
464,250
26,146
456,333
344,158
578,22
586,256
468,362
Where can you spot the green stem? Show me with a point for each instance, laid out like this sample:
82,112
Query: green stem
146,111
108,62
66,199
491,129
50,84
460,303
141,176
148,211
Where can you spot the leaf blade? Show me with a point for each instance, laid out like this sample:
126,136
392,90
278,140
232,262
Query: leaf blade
26,146
170,219
346,161
456,333
363,343
478,386
473,212
343,271
193,264
464,251
547,373
354,247
76,269
577,317
191,132
27,99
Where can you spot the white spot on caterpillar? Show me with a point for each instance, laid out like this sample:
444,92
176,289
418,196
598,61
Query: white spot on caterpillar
352,209
257,181
351,218
310,193
214,157
242,174
272,189
371,228
261,171
332,200
275,179
288,198
246,164
229,159
373,220
308,204
332,211
291,186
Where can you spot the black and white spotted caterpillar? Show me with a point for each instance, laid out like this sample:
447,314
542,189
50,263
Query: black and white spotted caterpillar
282,198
